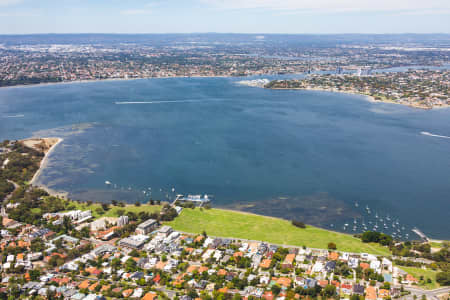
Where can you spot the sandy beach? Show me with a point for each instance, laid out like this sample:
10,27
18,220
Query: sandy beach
51,143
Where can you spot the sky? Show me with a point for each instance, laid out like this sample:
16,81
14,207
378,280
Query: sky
225,16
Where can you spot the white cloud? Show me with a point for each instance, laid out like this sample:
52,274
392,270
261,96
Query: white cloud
333,5
136,12
9,2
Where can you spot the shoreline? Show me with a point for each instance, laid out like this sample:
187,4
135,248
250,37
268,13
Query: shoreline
369,97
201,76
120,79
42,165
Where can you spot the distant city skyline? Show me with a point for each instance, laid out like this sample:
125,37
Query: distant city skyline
224,16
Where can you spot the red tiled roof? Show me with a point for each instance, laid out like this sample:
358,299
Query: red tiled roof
150,296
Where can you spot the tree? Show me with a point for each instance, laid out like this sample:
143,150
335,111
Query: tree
37,245
132,216
58,243
115,263
329,290
386,286
34,274
298,224
55,261
105,206
332,246
85,232
192,293
276,289
376,237
356,297
443,278
237,296
130,265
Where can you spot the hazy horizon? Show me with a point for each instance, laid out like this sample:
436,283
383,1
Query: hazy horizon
219,16
212,32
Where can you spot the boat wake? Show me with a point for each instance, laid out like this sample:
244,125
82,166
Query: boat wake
14,116
434,135
160,102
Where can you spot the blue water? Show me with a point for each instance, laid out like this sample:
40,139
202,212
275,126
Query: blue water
294,154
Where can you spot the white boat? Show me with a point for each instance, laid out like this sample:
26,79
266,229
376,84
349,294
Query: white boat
107,182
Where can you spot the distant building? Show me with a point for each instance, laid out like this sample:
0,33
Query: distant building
68,241
134,241
102,223
122,221
103,249
165,230
147,226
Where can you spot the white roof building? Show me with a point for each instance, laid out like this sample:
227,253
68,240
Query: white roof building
318,267
137,293
207,254
376,265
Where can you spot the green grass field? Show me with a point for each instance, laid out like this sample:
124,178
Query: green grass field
417,272
112,211
225,223
435,245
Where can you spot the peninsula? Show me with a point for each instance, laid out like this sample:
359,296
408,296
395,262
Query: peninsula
424,89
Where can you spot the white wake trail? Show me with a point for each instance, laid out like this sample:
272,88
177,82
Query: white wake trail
159,102
435,135
14,116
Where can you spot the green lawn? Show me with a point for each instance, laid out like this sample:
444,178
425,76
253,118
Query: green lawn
112,211
225,223
417,272
435,245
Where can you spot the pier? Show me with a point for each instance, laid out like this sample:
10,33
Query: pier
421,234
198,200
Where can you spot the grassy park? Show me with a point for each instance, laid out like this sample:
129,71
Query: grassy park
425,273
113,210
226,223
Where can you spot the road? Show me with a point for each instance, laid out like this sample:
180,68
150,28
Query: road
16,186
430,294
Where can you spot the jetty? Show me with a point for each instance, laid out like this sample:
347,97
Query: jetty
421,234
198,200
